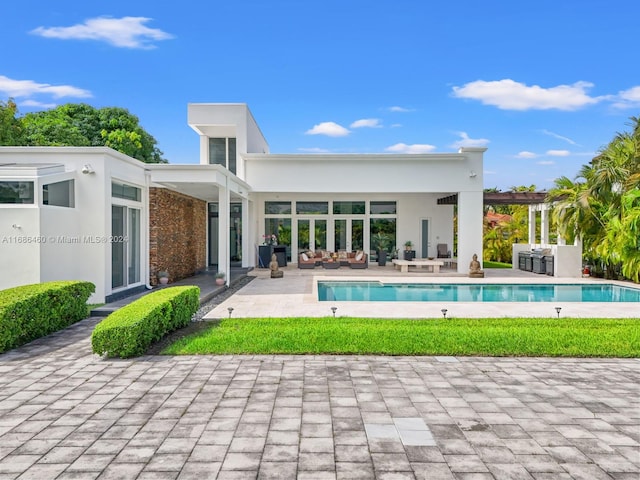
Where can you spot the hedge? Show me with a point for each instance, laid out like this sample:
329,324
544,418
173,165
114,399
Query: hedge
33,311
130,330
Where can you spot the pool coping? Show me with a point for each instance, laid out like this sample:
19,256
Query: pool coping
296,295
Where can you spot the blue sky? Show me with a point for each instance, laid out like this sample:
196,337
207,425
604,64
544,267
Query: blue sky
543,84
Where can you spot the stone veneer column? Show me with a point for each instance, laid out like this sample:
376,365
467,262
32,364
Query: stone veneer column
177,234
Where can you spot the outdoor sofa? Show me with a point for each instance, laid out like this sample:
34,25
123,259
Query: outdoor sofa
309,260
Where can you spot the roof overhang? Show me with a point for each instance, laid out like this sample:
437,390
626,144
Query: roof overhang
199,181
502,198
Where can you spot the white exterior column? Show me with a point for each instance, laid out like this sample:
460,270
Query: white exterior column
532,224
544,224
246,234
204,150
469,228
224,263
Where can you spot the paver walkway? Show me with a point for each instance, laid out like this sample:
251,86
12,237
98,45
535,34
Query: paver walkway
65,413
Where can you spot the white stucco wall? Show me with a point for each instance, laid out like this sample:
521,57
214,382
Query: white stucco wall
19,257
75,241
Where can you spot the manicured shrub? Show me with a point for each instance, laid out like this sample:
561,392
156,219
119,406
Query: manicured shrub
130,330
33,311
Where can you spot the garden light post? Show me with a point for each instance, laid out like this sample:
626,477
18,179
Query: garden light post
230,309
444,313
558,311
333,309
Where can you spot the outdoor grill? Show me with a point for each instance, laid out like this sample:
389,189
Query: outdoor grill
524,261
537,262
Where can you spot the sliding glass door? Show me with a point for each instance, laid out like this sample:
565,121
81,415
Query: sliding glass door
125,246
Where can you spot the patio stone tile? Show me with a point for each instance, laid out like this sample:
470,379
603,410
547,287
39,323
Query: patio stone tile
278,471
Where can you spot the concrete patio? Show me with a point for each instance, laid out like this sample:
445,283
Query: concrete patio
68,414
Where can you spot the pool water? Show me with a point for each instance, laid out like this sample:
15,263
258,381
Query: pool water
420,292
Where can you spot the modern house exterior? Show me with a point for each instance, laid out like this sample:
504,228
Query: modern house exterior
94,214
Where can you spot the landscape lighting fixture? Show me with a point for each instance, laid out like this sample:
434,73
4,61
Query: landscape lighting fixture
444,312
230,309
558,311
333,309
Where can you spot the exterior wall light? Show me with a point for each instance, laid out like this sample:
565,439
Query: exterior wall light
88,169
472,174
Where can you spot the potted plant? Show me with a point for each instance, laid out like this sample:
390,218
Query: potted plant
163,277
380,241
220,278
408,245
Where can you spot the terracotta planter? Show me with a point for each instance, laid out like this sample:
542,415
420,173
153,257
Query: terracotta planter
219,281
163,280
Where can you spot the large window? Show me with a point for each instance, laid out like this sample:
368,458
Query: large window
348,208
59,194
383,208
312,208
16,192
383,233
281,228
126,192
277,208
222,151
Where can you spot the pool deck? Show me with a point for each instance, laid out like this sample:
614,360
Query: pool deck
296,295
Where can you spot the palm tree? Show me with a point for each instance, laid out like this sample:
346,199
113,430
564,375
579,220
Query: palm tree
602,206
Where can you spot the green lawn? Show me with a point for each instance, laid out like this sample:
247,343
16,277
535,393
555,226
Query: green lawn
489,264
486,337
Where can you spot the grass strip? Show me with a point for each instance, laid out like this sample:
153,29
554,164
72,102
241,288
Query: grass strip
490,264
478,337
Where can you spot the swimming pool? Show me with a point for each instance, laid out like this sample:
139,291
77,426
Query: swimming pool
349,291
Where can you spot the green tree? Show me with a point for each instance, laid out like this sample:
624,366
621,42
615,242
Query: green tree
82,125
602,206
10,127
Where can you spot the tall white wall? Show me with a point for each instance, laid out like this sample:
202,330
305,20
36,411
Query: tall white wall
19,257
76,241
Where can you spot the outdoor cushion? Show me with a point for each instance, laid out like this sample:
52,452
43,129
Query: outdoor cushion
305,257
359,256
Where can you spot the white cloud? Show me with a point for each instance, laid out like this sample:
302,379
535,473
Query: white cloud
330,129
546,162
525,154
35,103
314,150
398,109
27,88
508,94
558,153
396,125
366,122
125,32
415,148
465,141
628,98
559,137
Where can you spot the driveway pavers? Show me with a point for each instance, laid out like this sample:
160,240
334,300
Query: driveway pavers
68,414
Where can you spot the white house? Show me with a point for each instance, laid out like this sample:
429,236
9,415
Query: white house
97,215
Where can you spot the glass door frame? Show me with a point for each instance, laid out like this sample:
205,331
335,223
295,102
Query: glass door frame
349,219
131,261
312,224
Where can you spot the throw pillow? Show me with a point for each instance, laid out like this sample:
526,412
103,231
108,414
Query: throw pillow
359,256
305,257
